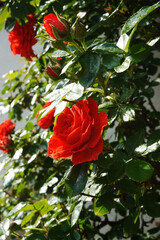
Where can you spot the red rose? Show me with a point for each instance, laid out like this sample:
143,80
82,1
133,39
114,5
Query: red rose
54,71
77,132
22,38
56,27
46,121
5,130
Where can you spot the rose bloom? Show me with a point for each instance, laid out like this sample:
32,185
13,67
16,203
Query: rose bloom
22,38
46,121
78,132
52,20
5,130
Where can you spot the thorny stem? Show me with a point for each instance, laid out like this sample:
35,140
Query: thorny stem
88,195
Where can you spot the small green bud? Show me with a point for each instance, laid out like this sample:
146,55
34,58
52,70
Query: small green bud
78,31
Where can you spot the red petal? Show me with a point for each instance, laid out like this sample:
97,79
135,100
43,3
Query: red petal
97,128
88,154
57,148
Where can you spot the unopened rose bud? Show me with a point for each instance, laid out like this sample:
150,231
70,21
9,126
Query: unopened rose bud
78,31
57,27
54,71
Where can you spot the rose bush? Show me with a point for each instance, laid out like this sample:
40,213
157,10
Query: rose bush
22,38
5,130
78,132
97,74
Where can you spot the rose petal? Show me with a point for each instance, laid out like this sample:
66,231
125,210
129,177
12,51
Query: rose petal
97,128
93,107
58,148
88,154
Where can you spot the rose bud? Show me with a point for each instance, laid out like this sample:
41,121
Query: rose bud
57,27
78,31
48,120
54,71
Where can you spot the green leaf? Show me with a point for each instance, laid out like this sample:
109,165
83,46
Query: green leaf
127,186
8,179
104,48
130,227
76,180
138,16
134,141
90,63
40,204
150,203
76,213
126,94
139,170
18,207
71,92
47,208
4,14
111,60
59,53
127,112
124,66
152,145
29,126
9,24
59,230
27,218
103,204
36,236
122,41
28,207
73,60
139,52
117,168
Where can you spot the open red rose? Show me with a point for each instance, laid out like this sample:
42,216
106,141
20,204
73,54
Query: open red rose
56,27
5,130
22,38
78,132
46,121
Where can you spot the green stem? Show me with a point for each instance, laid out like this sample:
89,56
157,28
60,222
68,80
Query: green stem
84,45
77,46
94,90
36,229
70,53
107,79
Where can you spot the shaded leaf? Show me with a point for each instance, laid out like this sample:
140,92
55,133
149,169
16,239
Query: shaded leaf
76,180
90,63
104,48
76,213
103,204
138,16
139,170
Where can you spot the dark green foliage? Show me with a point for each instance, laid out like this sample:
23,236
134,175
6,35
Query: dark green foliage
111,198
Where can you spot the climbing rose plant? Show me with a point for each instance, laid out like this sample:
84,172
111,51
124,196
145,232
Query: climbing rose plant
80,143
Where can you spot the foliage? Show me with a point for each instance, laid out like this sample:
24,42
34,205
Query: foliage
115,64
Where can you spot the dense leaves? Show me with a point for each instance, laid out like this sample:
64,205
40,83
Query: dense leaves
101,50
